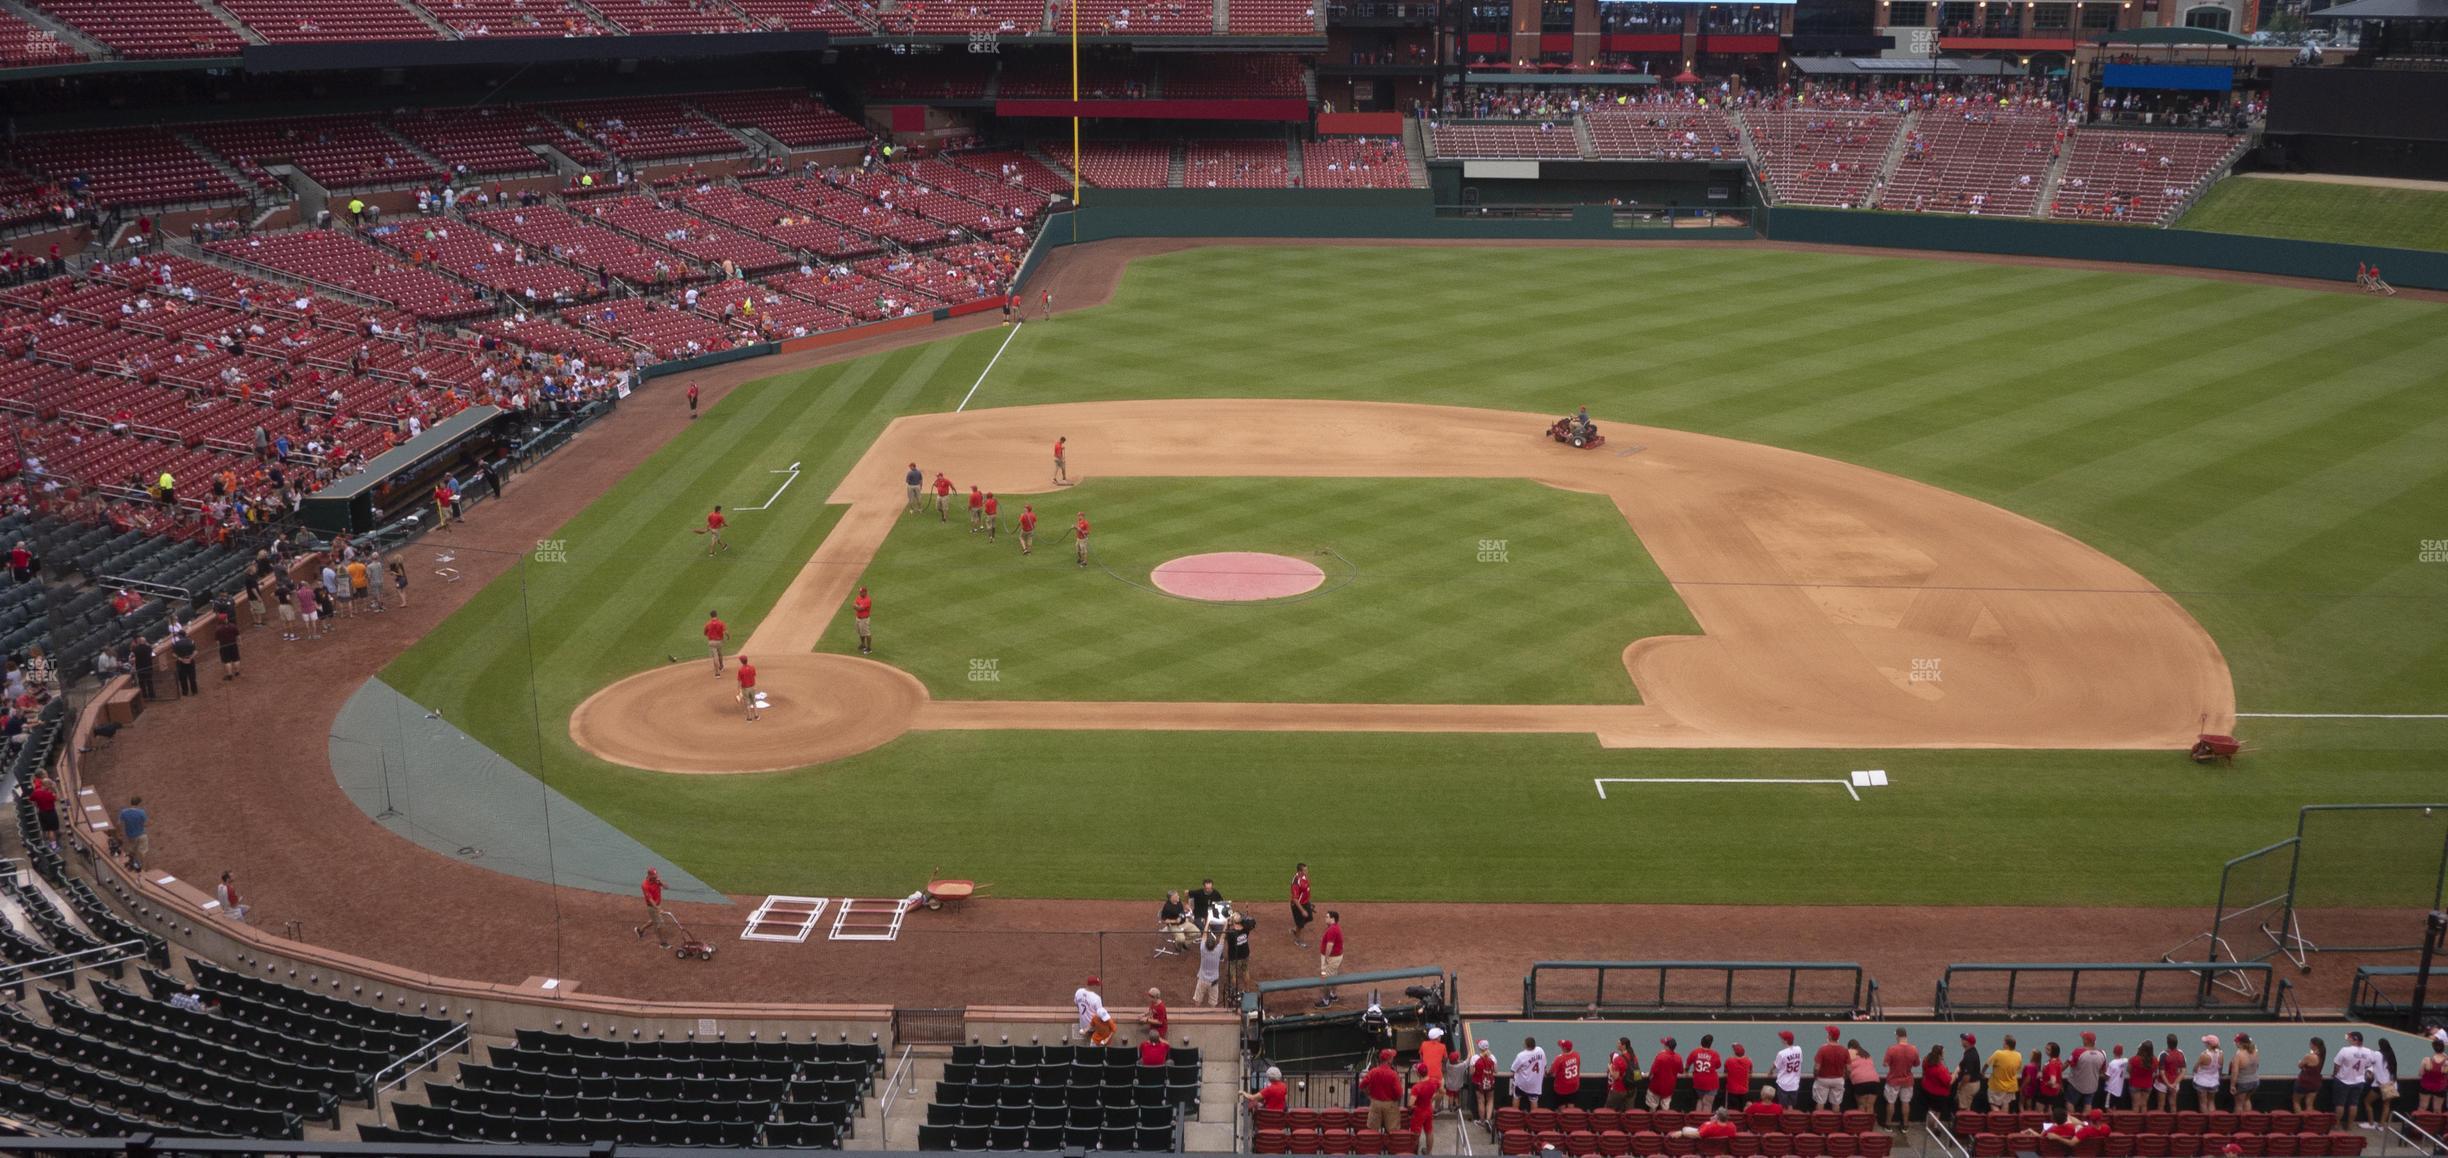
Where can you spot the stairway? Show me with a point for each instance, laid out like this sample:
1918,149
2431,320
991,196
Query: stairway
245,183
440,165
235,25
597,17
1582,141
1223,20
1895,156
1293,173
432,21
1415,151
1177,165
2054,177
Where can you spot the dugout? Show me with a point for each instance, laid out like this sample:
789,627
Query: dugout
402,478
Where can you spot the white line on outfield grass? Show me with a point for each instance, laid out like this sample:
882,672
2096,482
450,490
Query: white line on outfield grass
1603,781
2338,716
990,365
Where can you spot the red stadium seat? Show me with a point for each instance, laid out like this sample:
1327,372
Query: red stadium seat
2250,1145
2183,1145
2346,1145
1648,1142
2312,1145
1717,1147
2126,1121
1968,1123
1268,1119
1515,1142
1668,1121
1777,1144
1272,1140
1614,1143
2191,1122
1635,1121
2159,1122
2220,1122
1843,1145
1795,1121
1543,1121
1602,1120
1678,1145
1988,1146
1809,1145
2278,1145
1546,1138
2151,1145
2215,1144
2288,1121
1877,1144
1572,1118
2118,1146
1334,1141
1580,1142
1305,1141
1402,1142
1859,1122
1301,1118
2251,1122
1367,1141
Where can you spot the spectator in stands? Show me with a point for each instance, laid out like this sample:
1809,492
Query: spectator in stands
1529,1074
46,809
1785,1069
1737,1083
1719,1127
2431,1081
2382,1100
1902,1059
2142,1075
1173,920
2115,1077
134,832
1564,1075
1937,1087
1665,1073
2243,1071
1481,1093
2005,1075
1384,1092
1828,1068
1861,1077
2208,1067
1620,1068
1090,1005
2308,1075
1154,1052
1271,1096
2082,1074
1422,1119
232,906
2170,1085
188,999
1154,1018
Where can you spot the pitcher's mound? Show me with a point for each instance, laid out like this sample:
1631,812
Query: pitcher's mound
1237,576
684,718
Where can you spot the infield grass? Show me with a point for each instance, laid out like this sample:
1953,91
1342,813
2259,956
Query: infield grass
2272,457
1414,608
2323,211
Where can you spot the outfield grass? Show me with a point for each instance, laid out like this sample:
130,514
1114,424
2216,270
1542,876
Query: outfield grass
2270,455
1410,612
2321,211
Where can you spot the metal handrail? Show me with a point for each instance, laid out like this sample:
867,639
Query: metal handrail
892,1087
2400,1125
12,973
1935,1129
430,1053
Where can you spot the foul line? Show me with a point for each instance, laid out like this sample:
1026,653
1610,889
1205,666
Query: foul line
2337,716
1603,781
990,365
793,471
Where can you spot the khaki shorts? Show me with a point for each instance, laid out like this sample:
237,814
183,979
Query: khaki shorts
864,628
1330,966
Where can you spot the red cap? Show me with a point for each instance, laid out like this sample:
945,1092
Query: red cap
1787,1034
1833,1033
1385,1055
1564,1044
1089,982
1967,1039
2090,1038
1668,1042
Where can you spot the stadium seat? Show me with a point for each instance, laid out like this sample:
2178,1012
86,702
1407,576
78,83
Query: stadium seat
1511,1142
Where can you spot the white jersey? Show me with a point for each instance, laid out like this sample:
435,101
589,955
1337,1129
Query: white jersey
1530,1071
1090,1005
1788,1068
2354,1065
2117,1069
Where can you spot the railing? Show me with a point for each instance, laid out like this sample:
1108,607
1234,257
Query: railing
430,1053
2374,998
1831,989
1940,1134
14,974
2122,989
892,1088
2406,1131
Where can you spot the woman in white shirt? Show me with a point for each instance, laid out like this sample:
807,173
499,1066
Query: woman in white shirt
2208,1067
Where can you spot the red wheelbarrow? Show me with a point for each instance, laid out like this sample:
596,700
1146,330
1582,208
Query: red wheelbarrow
2212,748
943,890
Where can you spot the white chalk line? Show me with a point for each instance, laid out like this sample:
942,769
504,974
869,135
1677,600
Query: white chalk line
1603,781
793,471
2342,715
990,365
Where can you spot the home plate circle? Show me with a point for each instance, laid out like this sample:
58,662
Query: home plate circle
1237,576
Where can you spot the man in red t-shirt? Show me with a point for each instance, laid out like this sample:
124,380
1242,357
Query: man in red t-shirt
1718,1126
1384,1092
1423,1107
1079,531
1330,956
1706,1070
1272,1095
994,525
692,397
1154,1052
1028,526
1156,1019
1738,1077
860,609
652,889
1665,1072
1062,473
1564,1075
1828,1072
1902,1059
715,522
747,683
943,498
977,509
716,631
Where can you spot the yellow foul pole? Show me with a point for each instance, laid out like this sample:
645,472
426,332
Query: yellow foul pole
1075,121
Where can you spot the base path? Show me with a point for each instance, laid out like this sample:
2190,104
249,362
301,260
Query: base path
1841,607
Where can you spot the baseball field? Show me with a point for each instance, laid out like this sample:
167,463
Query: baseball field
2006,533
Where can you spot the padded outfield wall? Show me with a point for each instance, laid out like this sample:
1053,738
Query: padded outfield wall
1107,214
